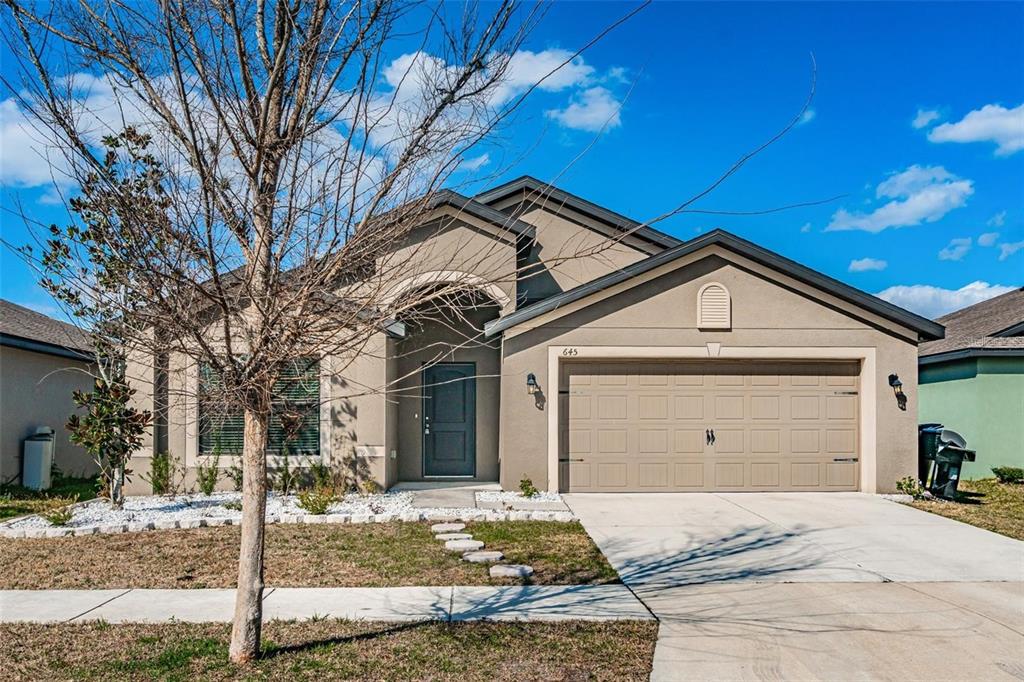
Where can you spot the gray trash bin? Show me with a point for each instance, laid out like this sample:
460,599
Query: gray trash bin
37,459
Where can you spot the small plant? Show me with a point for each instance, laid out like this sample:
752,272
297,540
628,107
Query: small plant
163,474
317,501
527,487
910,486
233,505
207,474
1009,474
320,475
234,473
371,487
60,516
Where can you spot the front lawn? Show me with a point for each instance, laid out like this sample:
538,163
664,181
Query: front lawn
18,501
331,650
297,555
986,503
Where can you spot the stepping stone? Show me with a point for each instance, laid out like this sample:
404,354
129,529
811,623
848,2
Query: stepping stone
485,557
511,571
447,527
453,536
463,545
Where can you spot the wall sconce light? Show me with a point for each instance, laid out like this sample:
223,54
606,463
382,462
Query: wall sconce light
531,384
897,389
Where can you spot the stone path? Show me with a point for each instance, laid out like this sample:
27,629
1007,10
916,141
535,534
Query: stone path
518,603
472,551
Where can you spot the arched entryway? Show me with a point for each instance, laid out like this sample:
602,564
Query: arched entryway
447,390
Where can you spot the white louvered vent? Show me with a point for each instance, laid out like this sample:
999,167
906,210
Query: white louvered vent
714,309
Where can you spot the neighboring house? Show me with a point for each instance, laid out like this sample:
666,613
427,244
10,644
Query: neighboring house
42,361
646,364
973,380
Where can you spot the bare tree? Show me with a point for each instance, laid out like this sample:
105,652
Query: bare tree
245,180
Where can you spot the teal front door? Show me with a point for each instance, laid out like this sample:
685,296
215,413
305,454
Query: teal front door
449,419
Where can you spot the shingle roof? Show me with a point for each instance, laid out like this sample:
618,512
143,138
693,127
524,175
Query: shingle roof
983,328
24,328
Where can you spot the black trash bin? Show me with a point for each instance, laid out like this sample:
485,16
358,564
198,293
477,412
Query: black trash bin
948,461
929,438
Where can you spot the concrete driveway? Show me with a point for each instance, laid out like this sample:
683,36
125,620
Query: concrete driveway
830,586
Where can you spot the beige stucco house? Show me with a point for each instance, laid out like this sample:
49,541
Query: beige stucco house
618,359
42,362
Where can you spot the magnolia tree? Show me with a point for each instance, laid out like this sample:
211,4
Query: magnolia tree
251,178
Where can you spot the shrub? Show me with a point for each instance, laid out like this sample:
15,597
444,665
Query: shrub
1009,474
527,487
910,486
61,515
233,505
234,472
163,474
371,487
207,475
317,500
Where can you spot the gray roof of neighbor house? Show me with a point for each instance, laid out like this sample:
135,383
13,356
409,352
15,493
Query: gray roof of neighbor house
992,327
619,223
26,329
925,328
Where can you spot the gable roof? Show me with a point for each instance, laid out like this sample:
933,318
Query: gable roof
473,207
26,329
925,328
616,222
992,327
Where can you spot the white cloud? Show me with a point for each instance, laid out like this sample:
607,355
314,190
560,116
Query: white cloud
924,117
1007,250
933,302
595,108
988,239
26,158
476,163
956,249
997,220
867,264
806,228
919,194
991,123
808,116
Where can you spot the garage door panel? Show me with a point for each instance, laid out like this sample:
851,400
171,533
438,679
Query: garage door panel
644,425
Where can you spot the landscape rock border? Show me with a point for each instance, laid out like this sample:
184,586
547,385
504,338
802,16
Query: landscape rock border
412,516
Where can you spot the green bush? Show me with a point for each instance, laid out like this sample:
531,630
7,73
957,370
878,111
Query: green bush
163,474
207,475
910,486
61,515
234,472
317,500
527,487
233,505
1009,474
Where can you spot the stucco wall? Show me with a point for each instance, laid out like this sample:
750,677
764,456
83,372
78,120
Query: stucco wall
662,313
982,399
35,390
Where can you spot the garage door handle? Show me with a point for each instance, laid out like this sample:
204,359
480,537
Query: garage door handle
709,436
846,459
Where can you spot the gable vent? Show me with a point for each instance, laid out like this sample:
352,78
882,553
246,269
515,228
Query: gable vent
714,309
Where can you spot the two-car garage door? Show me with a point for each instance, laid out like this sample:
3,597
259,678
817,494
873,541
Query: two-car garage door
702,426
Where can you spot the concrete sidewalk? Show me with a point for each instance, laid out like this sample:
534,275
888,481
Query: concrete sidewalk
540,603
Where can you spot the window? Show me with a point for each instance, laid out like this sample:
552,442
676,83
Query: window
714,308
297,392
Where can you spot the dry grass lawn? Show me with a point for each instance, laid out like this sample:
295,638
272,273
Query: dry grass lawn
986,503
361,555
332,650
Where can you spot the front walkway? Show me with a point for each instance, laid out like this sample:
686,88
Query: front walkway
519,603
802,586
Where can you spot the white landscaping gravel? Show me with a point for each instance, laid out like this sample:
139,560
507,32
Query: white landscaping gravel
194,510
510,496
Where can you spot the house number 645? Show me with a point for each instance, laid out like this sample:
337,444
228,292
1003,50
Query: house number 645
569,352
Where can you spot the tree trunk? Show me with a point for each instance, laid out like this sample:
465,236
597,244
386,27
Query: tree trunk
245,633
117,487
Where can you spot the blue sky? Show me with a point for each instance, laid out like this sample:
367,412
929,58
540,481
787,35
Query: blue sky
918,120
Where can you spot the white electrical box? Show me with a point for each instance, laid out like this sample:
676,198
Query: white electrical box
37,459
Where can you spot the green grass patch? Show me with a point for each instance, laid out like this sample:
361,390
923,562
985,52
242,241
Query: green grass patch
333,649
985,503
16,500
